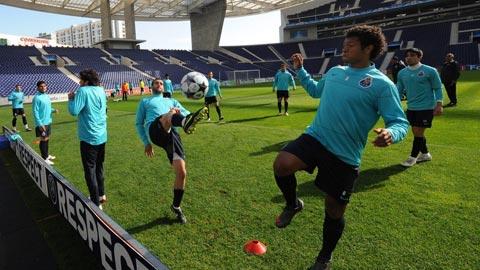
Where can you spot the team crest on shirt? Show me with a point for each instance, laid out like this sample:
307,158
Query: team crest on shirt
366,82
421,73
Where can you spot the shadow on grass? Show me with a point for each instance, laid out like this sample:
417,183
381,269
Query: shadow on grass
307,189
251,119
270,148
156,222
373,178
306,110
368,179
454,112
244,106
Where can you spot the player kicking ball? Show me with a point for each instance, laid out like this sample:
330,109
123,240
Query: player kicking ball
156,122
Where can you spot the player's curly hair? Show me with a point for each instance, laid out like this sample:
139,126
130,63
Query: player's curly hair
369,35
90,77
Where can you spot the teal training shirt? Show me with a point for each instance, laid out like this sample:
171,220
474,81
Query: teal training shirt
168,86
213,88
352,100
17,99
283,81
90,106
421,85
152,107
42,109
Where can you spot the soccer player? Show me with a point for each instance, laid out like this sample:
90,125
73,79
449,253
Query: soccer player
449,75
16,97
125,88
422,86
42,113
142,87
168,87
211,96
89,104
156,122
352,99
283,81
130,87
116,92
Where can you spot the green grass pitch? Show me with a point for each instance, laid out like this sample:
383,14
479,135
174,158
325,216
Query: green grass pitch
424,217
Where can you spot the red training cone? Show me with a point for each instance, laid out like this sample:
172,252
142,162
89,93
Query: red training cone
255,247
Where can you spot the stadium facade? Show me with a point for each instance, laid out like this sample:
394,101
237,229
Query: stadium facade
87,34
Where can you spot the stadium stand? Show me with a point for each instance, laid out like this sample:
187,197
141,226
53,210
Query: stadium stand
17,68
194,62
148,62
92,58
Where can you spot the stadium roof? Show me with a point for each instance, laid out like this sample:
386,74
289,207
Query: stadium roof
151,10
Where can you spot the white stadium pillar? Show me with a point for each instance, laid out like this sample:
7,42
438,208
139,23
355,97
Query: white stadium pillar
106,19
129,12
206,25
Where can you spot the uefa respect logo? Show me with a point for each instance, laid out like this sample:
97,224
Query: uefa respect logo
52,188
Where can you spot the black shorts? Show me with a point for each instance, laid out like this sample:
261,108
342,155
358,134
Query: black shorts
141,89
420,118
283,93
167,95
45,133
170,142
334,176
210,100
16,112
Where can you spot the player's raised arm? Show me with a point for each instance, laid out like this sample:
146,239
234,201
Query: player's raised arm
313,88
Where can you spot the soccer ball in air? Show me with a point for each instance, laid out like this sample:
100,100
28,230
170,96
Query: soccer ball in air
194,85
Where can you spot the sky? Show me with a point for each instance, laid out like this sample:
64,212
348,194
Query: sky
158,35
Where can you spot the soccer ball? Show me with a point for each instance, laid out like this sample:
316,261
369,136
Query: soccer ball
194,85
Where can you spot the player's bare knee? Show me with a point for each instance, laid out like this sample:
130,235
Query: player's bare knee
283,165
181,174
